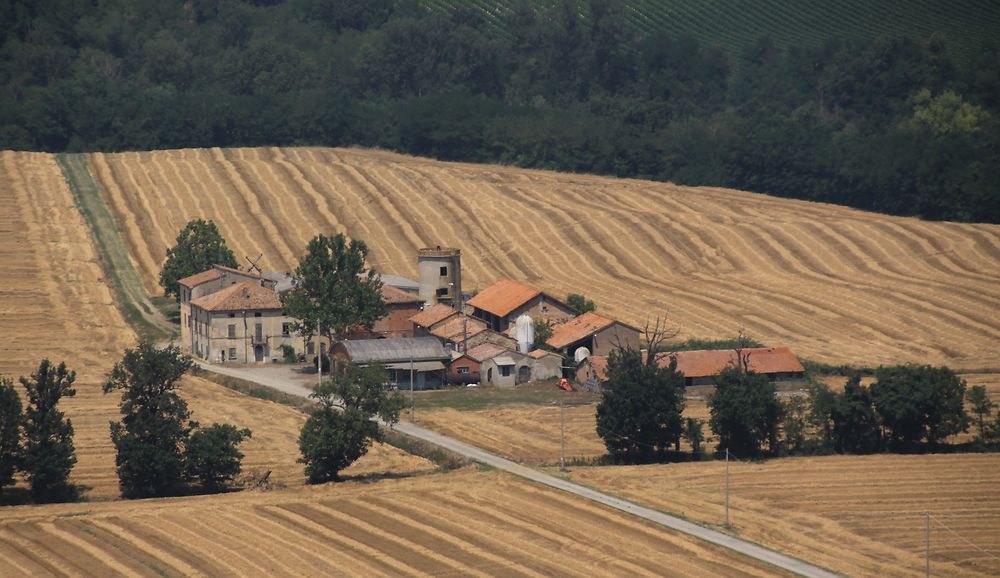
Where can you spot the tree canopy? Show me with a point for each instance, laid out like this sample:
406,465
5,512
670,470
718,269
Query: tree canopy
10,432
49,454
343,426
149,439
919,403
639,416
745,413
336,288
199,246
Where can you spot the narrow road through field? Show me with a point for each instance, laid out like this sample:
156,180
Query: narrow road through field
284,381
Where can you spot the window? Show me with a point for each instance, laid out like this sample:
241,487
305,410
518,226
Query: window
232,354
463,370
258,331
286,329
257,314
311,348
442,292
232,315
232,330
505,370
444,271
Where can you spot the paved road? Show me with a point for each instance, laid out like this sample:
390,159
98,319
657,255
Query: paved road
292,383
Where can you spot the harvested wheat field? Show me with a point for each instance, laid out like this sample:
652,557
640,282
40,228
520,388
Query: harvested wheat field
836,284
530,433
274,446
859,515
523,433
464,523
55,303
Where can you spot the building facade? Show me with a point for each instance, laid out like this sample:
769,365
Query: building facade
242,323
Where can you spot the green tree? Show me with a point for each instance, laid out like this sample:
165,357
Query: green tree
11,417
212,456
49,454
794,424
694,434
150,437
336,289
543,332
343,426
745,413
919,402
980,405
820,415
580,303
855,423
947,114
639,417
199,246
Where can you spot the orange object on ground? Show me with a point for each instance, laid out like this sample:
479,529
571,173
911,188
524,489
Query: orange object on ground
563,383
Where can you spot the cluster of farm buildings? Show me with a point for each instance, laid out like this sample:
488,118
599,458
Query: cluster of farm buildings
434,333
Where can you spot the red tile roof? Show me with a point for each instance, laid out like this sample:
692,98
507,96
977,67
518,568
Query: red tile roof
540,353
235,270
503,297
436,314
193,281
485,351
706,363
578,328
245,296
392,295
451,329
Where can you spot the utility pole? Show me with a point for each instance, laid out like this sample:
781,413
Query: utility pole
927,547
319,356
411,389
727,487
562,434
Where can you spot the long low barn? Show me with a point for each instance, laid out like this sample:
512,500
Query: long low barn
702,366
422,357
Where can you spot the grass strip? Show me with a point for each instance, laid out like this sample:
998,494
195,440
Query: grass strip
125,283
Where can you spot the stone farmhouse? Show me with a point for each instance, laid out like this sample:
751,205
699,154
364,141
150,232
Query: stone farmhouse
241,323
500,304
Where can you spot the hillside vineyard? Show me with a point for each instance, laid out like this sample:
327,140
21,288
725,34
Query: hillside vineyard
836,284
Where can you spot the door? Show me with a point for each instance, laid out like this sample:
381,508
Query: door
523,375
258,353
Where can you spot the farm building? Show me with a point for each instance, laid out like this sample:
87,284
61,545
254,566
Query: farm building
545,365
500,304
592,372
445,323
701,367
422,357
507,369
399,282
402,307
597,333
465,368
242,323
201,284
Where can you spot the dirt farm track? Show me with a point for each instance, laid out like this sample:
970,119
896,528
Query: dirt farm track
836,284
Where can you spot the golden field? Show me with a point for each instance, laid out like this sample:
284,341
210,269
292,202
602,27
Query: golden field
465,523
54,303
858,515
836,284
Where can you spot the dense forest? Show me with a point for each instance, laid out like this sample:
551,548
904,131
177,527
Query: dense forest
892,124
